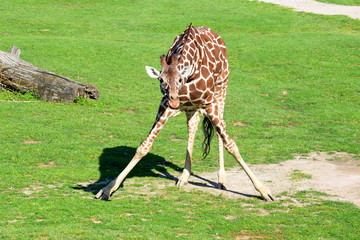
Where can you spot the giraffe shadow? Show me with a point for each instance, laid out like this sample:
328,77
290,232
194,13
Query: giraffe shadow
113,160
206,183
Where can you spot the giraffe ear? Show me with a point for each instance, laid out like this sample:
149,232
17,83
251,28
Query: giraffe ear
186,71
152,72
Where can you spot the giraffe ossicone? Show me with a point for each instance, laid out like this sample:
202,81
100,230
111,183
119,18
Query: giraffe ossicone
193,79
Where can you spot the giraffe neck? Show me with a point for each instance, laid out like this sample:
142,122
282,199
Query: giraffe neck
186,48
205,51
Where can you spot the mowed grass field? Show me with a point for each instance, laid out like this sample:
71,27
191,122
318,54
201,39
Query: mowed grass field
294,89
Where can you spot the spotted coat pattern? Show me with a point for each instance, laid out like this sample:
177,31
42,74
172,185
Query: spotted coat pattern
193,79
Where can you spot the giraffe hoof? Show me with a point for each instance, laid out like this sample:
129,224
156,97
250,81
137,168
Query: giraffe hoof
269,197
221,186
265,193
102,195
181,183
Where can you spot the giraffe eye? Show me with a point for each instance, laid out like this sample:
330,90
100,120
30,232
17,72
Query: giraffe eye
180,81
161,80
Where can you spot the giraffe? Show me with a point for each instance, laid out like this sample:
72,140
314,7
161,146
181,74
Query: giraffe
194,80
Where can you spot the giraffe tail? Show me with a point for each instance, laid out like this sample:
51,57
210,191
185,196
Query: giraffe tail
208,130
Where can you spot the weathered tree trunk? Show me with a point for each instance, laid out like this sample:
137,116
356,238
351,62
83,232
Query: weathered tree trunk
21,76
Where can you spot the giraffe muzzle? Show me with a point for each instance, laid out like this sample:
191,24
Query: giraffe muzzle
174,102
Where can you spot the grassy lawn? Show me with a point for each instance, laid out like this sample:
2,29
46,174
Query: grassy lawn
294,87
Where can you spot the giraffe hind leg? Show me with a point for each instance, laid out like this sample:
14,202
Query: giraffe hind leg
231,147
220,99
222,182
192,122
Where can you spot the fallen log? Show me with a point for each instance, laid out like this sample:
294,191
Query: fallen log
21,76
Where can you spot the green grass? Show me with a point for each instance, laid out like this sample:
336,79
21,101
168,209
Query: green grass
173,213
294,82
342,2
298,175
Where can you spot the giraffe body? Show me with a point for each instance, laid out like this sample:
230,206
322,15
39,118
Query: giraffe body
193,79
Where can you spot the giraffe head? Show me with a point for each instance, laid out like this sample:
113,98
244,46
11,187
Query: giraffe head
171,79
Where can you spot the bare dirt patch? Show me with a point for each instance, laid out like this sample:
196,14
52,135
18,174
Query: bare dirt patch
312,6
337,174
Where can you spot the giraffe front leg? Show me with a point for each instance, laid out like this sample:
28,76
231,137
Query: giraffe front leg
106,192
231,147
260,187
192,123
143,149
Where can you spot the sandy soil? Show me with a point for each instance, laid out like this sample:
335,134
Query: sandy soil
312,6
337,174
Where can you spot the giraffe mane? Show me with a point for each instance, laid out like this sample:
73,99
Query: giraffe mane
180,41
